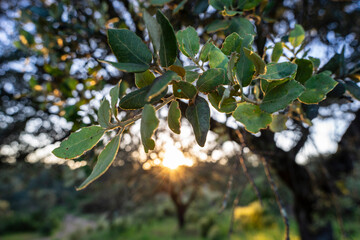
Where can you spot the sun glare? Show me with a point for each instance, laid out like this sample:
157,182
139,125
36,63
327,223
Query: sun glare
173,158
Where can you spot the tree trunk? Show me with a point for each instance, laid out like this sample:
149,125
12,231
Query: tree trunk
307,229
181,210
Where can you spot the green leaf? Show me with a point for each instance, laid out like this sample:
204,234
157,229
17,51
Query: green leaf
317,87
189,42
183,89
104,114
252,117
132,54
104,161
149,123
278,123
221,104
231,44
217,25
353,89
174,117
241,26
79,142
198,115
281,96
267,86
210,80
315,61
205,50
179,7
260,65
277,52
221,4
279,71
137,98
191,76
248,4
127,67
230,13
154,30
115,94
159,2
245,69
168,43
179,70
144,79
304,71
160,84
297,35
217,59
234,57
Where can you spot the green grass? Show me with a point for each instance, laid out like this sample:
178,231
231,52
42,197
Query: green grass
166,229
21,236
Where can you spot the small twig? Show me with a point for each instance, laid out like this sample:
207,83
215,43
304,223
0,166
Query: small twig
243,165
277,196
130,121
227,194
246,99
235,203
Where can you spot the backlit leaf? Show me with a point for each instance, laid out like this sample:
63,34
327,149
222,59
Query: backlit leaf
277,52
149,123
198,115
252,117
104,114
278,123
144,79
178,69
217,59
205,50
231,44
104,161
174,117
297,35
79,142
115,94
317,87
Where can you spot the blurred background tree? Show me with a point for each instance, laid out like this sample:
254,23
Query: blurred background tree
51,84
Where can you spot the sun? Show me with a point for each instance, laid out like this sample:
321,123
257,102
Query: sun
173,158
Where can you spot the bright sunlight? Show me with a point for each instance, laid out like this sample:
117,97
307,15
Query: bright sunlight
173,158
